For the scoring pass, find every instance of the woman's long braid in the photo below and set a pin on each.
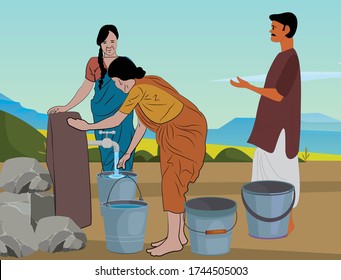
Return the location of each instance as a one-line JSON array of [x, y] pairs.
[[101, 66]]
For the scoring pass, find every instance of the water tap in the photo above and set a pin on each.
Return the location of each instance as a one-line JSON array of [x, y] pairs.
[[106, 142]]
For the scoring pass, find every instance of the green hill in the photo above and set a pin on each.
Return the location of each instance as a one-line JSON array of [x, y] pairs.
[[142, 156], [232, 155], [19, 139]]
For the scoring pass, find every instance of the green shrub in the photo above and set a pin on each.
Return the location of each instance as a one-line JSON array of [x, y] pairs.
[[155, 159], [142, 156], [232, 155], [94, 155], [208, 158], [305, 155]]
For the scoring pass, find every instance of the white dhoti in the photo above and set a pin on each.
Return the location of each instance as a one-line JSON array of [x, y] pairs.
[[277, 166]]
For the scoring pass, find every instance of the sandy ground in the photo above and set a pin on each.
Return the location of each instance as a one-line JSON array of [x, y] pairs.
[[316, 235]]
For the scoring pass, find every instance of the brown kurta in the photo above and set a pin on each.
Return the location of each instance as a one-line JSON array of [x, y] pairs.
[[272, 116], [182, 142]]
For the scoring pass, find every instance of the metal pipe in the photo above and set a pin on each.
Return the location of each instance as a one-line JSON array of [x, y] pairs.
[[106, 142]]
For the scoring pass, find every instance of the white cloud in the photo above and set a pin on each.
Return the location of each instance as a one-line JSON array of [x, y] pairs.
[[305, 76], [256, 78], [311, 76]]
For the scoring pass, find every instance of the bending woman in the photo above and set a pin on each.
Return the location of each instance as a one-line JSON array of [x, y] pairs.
[[180, 132], [107, 99]]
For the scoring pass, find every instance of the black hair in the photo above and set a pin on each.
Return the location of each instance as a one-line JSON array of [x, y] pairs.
[[102, 35], [286, 19], [124, 69]]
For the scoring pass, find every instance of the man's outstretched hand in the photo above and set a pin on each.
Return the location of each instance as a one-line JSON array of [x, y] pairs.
[[240, 84]]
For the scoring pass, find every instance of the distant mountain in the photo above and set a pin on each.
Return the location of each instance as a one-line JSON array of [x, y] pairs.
[[3, 97], [319, 122], [317, 118], [32, 117], [234, 133], [319, 133]]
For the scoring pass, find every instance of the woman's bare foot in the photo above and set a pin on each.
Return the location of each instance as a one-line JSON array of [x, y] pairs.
[[182, 237], [167, 246], [174, 239], [183, 241]]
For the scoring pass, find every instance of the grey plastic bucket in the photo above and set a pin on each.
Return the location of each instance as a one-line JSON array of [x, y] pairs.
[[124, 189], [124, 223], [268, 205], [210, 223]]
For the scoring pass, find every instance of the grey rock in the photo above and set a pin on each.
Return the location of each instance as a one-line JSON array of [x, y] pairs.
[[23, 174], [42, 205], [17, 238], [56, 234], [8, 213], [12, 246], [27, 213], [58, 240], [72, 243], [3, 249], [8, 198], [15, 207], [33, 205]]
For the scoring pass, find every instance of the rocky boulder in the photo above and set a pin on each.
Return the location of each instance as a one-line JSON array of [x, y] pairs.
[[56, 234], [17, 238], [15, 207], [27, 213], [21, 174], [42, 205]]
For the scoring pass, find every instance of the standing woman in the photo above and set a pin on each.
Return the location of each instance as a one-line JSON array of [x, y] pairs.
[[107, 99], [180, 132]]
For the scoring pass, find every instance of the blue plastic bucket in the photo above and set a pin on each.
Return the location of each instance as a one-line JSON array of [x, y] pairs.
[[210, 223], [268, 205], [124, 223], [124, 189]]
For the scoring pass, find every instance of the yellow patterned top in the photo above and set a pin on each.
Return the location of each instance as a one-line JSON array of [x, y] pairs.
[[155, 102]]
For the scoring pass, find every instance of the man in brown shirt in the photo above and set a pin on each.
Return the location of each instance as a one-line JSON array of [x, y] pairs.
[[276, 131]]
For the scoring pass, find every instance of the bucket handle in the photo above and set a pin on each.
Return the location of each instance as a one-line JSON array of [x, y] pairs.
[[265, 219], [125, 177], [215, 231]]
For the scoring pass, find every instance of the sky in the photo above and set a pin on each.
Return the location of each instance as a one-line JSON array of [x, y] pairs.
[[197, 46]]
